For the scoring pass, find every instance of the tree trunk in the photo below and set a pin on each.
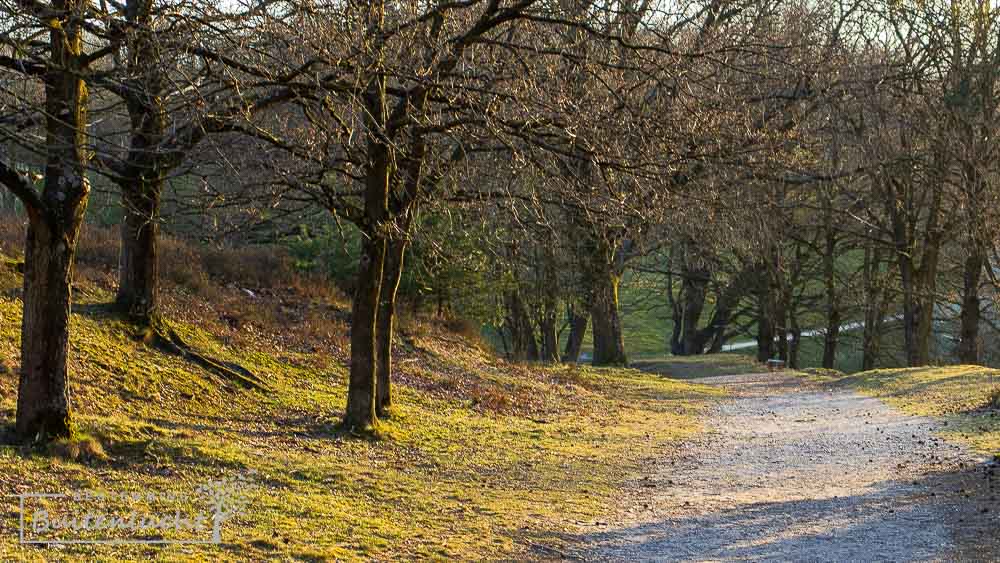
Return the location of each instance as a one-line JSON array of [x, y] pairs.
[[550, 338], [141, 183], [871, 335], [392, 273], [968, 350], [781, 322], [910, 312], [524, 347], [765, 328], [833, 318], [577, 331], [138, 273], [609, 343], [694, 292], [361, 414], [795, 344], [43, 401]]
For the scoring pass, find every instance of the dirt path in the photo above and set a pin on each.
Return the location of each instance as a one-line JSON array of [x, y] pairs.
[[790, 471]]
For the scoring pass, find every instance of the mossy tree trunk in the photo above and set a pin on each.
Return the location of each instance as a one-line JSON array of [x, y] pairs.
[[43, 400], [55, 217], [609, 342]]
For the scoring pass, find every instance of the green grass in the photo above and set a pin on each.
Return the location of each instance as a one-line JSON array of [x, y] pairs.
[[480, 460]]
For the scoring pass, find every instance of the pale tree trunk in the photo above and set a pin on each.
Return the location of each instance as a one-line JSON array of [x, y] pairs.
[[550, 338]]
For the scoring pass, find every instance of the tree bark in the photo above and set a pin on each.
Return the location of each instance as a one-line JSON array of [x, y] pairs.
[[694, 292], [43, 402], [833, 317], [138, 273], [577, 331], [392, 273], [141, 176], [550, 338], [524, 347], [968, 350], [360, 413], [765, 325], [873, 297], [609, 342]]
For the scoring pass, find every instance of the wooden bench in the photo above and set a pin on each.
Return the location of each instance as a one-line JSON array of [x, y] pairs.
[[775, 365]]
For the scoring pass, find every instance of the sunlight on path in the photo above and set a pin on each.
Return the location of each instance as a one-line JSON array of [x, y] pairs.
[[792, 472]]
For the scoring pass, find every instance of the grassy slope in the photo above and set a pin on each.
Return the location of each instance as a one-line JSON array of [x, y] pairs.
[[480, 461], [956, 394]]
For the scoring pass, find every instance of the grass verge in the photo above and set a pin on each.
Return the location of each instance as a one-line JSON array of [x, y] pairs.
[[481, 459]]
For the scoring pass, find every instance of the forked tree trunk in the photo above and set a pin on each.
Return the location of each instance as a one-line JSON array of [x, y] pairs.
[[609, 343], [392, 273], [138, 272], [577, 331], [360, 413]]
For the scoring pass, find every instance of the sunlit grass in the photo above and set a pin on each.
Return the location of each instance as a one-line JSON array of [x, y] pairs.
[[457, 472]]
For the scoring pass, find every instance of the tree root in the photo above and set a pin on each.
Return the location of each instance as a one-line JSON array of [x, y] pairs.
[[166, 339]]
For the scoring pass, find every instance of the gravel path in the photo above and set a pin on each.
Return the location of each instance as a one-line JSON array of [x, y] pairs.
[[790, 471]]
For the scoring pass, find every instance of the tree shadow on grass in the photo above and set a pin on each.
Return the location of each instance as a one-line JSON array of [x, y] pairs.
[[698, 367]]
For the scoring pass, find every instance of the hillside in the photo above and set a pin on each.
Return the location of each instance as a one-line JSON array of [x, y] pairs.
[[481, 459]]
